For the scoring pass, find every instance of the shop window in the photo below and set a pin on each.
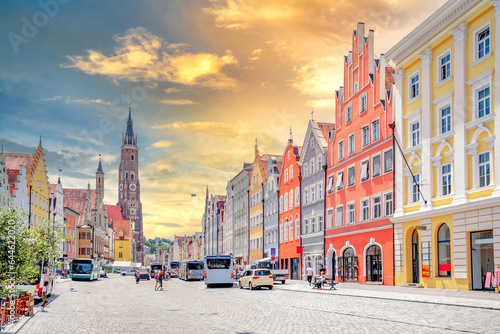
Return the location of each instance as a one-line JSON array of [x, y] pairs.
[[444, 251]]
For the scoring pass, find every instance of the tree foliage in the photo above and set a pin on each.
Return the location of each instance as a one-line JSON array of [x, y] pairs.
[[22, 249]]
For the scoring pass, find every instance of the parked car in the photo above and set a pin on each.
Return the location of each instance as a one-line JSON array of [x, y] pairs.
[[144, 275], [103, 273], [129, 272], [256, 278]]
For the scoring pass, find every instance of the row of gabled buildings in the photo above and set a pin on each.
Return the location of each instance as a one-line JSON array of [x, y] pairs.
[[401, 188], [94, 229]]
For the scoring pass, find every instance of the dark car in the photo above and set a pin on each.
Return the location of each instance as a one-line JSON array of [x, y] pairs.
[[144, 275]]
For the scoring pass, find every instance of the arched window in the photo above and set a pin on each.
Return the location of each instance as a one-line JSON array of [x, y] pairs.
[[286, 231], [285, 206], [291, 200], [444, 251], [132, 176], [126, 175], [132, 157]]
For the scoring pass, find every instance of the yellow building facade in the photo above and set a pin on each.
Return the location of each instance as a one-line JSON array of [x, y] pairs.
[[123, 244], [256, 208], [447, 200]]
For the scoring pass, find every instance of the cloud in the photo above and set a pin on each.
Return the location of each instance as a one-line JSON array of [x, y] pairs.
[[70, 100], [141, 55], [163, 144], [172, 90], [178, 102], [168, 224], [255, 55]]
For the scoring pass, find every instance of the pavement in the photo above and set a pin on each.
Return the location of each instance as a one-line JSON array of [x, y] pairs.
[[475, 299], [118, 305]]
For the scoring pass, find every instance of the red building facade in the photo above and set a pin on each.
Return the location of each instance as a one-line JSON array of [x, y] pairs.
[[289, 211], [359, 199]]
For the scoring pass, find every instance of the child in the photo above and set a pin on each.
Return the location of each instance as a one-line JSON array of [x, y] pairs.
[[44, 295]]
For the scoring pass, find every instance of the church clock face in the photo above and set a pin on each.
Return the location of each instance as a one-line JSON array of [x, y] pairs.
[[132, 187]]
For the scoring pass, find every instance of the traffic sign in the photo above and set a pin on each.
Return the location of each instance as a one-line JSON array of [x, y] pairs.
[[273, 258], [273, 251]]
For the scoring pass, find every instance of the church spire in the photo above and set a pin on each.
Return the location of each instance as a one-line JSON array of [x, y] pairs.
[[99, 167], [129, 138]]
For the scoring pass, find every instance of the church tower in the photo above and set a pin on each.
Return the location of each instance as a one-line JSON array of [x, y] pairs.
[[129, 187]]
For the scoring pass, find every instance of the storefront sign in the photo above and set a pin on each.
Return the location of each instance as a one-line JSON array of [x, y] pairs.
[[425, 271]]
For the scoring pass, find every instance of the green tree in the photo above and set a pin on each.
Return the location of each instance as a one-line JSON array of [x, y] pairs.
[[17, 260]]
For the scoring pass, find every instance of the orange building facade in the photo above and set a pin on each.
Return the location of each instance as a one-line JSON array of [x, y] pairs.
[[359, 201], [290, 254]]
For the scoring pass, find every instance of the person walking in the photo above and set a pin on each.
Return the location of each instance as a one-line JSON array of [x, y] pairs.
[[310, 273], [44, 295], [157, 280], [160, 279], [137, 277]]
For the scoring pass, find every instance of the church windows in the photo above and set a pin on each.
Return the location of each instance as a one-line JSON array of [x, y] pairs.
[[126, 175], [132, 157], [131, 176]]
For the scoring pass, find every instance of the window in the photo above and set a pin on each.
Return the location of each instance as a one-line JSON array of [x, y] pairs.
[[351, 176], [313, 194], [376, 166], [290, 230], [313, 224], [341, 150], [306, 226], [297, 199], [415, 133], [312, 166], [362, 103], [365, 170], [320, 223], [445, 114], [286, 231], [132, 157], [352, 142], [297, 230], [286, 175], [414, 82], [339, 217], [366, 135], [281, 204], [444, 67], [290, 207], [311, 142], [320, 162], [483, 102], [375, 130], [329, 218], [291, 170], [444, 251], [305, 169], [377, 209], [483, 43], [415, 188], [120, 254], [388, 161], [446, 179], [120, 245], [285, 206], [348, 116], [351, 213], [329, 187], [320, 191], [365, 210], [484, 169], [388, 204], [340, 181], [281, 233], [306, 196]]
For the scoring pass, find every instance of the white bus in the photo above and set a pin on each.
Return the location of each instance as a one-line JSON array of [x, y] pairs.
[[191, 270], [218, 270]]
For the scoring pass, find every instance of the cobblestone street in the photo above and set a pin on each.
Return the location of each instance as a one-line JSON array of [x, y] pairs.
[[119, 305]]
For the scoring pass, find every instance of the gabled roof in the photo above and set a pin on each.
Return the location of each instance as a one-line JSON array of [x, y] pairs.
[[121, 226], [14, 160], [75, 199], [114, 212], [12, 175], [319, 131]]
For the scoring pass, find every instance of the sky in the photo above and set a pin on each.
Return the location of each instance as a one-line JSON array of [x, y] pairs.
[[204, 79]]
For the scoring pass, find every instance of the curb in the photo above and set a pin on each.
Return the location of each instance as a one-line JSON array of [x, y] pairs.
[[393, 299]]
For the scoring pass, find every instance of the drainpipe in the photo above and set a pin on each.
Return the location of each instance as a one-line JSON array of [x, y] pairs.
[[29, 215], [263, 235], [393, 127]]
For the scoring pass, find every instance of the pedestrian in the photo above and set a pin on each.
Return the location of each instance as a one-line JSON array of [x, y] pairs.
[[137, 277], [309, 274], [44, 295], [157, 280], [322, 270], [160, 278]]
